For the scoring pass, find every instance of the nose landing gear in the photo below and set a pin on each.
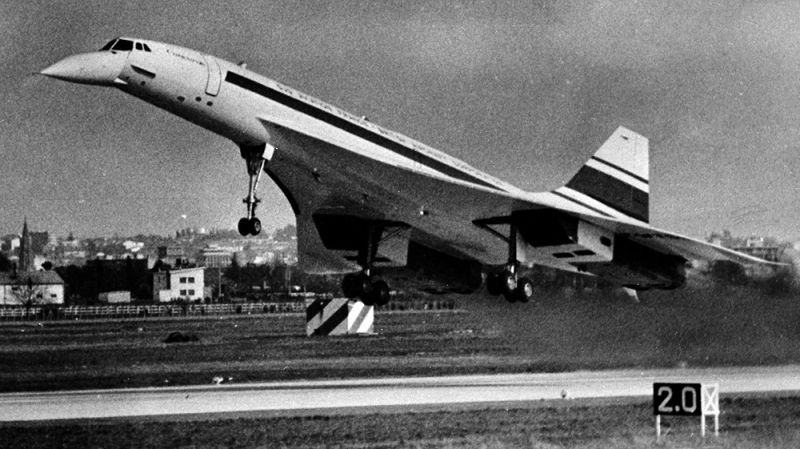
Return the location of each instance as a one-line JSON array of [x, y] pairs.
[[255, 157]]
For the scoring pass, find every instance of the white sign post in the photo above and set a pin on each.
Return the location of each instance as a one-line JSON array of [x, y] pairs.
[[710, 407], [681, 399]]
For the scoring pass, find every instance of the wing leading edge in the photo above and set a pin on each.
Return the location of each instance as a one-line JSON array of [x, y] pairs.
[[596, 223]]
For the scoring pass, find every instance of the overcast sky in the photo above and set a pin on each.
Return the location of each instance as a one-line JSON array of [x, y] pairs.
[[525, 91]]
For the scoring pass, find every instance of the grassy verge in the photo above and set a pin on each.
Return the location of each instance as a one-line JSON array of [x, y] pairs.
[[683, 328], [745, 423]]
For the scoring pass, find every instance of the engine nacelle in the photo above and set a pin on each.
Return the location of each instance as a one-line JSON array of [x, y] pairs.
[[396, 256], [566, 242], [639, 267], [436, 272], [559, 240]]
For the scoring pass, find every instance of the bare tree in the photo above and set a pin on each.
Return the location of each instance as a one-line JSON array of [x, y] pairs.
[[27, 294]]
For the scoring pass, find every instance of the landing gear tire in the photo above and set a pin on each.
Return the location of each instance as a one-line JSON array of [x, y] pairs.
[[508, 282], [524, 291], [359, 285], [354, 285], [255, 226], [377, 294], [244, 227], [249, 226], [512, 288]]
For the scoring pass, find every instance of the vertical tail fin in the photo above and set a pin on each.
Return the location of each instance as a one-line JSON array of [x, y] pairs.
[[615, 180]]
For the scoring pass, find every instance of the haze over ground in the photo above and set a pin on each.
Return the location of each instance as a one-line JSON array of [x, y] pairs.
[[523, 90]]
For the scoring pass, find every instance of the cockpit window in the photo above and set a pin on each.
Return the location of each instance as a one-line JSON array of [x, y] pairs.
[[123, 45], [108, 45], [138, 45], [146, 48]]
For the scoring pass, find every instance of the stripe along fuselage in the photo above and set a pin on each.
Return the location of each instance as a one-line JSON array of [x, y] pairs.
[[234, 102]]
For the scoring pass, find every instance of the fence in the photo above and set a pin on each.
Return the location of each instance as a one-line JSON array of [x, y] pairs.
[[53, 312], [143, 311]]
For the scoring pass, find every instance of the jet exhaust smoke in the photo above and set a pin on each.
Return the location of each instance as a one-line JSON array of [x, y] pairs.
[[706, 323]]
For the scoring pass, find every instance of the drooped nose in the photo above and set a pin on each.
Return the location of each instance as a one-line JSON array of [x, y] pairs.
[[98, 68]]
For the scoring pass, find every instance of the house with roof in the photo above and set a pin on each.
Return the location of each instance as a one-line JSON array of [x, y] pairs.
[[24, 286], [31, 288]]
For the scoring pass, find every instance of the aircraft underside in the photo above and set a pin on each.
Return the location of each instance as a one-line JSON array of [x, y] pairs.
[[374, 229]]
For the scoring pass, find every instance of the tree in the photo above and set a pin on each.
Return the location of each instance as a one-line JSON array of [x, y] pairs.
[[27, 294], [286, 233], [5, 264]]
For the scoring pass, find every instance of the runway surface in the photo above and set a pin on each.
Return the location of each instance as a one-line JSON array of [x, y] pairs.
[[292, 397]]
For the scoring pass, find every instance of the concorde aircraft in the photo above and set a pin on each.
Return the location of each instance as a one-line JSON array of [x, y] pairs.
[[376, 205]]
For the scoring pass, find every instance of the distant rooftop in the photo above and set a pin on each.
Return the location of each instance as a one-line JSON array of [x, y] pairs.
[[35, 278]]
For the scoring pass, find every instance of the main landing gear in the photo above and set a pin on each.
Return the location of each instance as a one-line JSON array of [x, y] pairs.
[[513, 288], [363, 285], [255, 158], [507, 282]]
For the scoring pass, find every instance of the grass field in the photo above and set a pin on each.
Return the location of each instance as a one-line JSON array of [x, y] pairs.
[[738, 327], [746, 423], [722, 326]]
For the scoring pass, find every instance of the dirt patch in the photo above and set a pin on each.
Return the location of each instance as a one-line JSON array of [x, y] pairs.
[[180, 337]]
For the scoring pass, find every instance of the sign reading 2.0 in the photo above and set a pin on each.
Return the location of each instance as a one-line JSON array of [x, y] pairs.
[[677, 399]]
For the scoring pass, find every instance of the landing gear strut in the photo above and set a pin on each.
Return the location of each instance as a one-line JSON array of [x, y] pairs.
[[507, 282], [255, 157], [363, 285]]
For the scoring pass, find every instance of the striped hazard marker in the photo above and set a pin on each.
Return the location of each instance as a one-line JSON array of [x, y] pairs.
[[339, 316]]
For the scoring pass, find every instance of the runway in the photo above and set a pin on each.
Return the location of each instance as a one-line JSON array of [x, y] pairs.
[[294, 397]]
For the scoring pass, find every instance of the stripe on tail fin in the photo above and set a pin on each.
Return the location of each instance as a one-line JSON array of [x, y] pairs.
[[615, 181]]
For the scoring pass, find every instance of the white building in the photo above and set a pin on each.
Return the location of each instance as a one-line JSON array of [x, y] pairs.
[[180, 284], [38, 287]]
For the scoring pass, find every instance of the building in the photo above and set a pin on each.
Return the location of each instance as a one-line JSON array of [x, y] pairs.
[[10, 243], [119, 297], [770, 253], [172, 255], [31, 288], [180, 284], [216, 257]]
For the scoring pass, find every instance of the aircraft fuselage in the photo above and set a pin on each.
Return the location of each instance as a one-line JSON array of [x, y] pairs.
[[364, 195]]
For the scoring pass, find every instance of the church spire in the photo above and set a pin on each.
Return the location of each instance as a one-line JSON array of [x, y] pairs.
[[25, 249]]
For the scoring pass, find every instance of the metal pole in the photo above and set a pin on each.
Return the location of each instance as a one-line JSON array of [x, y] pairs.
[[703, 426], [658, 428]]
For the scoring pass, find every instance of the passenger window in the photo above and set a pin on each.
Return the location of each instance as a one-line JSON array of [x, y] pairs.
[[123, 45], [138, 45]]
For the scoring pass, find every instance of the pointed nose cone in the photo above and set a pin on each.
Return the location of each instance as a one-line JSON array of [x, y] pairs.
[[98, 68]]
